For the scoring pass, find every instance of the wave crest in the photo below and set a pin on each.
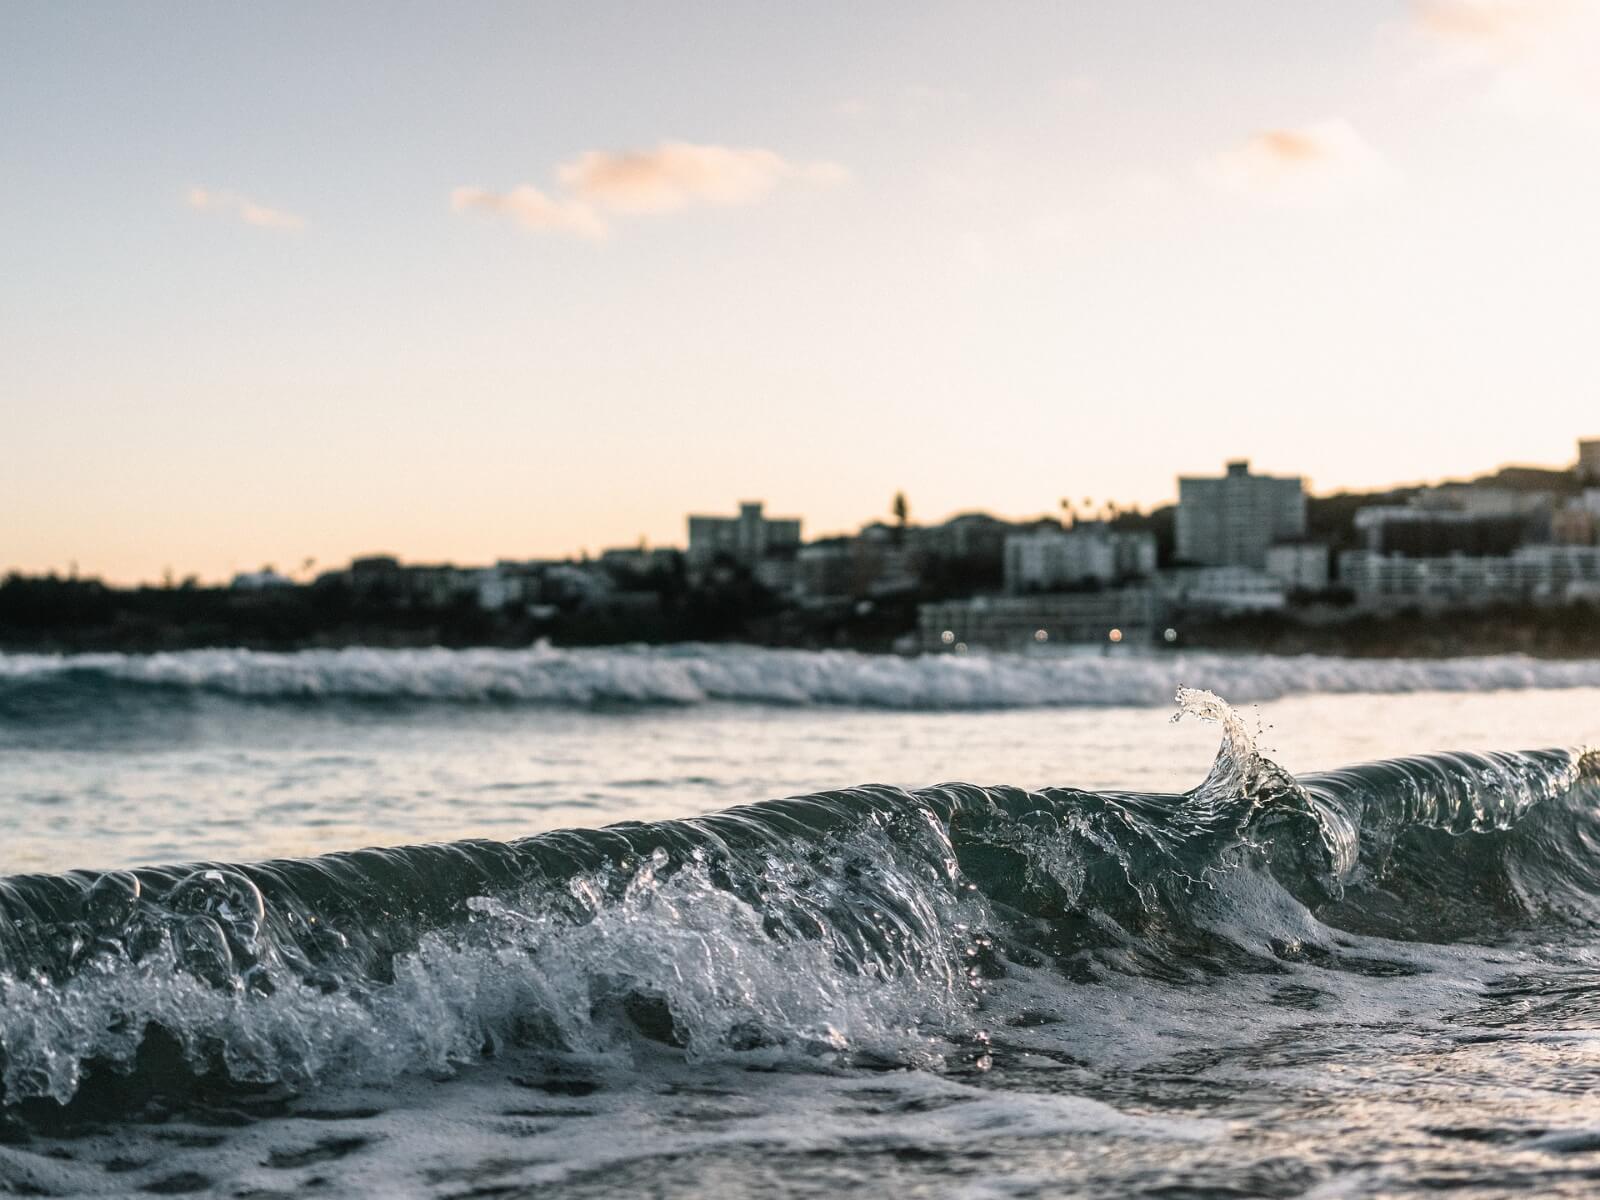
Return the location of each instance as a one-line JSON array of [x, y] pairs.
[[868, 921], [698, 674]]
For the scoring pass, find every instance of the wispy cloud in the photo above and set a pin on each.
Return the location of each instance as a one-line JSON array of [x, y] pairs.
[[1535, 56], [532, 209], [673, 175], [1492, 27], [242, 207], [676, 174], [1313, 164]]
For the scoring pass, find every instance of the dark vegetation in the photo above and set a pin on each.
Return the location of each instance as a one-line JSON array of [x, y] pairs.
[[52, 614], [62, 615]]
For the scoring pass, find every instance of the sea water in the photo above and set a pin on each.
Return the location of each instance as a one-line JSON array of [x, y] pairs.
[[524, 922]]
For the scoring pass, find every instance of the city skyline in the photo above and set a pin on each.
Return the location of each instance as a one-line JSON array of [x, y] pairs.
[[316, 283], [1070, 511]]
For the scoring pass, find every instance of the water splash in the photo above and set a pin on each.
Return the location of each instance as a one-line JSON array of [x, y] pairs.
[[1238, 768]]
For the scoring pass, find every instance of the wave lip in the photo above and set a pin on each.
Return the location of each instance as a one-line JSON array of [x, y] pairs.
[[869, 921], [699, 674]]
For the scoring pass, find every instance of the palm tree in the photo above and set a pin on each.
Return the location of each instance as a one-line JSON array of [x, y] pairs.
[[902, 514]]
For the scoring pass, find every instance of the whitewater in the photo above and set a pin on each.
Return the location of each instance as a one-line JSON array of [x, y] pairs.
[[474, 923], [698, 674]]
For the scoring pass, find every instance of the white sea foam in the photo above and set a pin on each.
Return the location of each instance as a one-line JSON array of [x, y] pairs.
[[697, 674]]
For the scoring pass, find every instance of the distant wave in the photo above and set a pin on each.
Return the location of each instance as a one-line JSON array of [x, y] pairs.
[[699, 674]]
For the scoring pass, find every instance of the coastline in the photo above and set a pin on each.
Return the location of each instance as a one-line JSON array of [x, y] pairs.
[[158, 620]]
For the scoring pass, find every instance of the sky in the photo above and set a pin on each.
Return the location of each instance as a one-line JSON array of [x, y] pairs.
[[299, 282]]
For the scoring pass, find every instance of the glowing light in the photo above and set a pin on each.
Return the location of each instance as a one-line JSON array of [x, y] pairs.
[[1115, 635], [1041, 635], [1170, 635], [948, 636]]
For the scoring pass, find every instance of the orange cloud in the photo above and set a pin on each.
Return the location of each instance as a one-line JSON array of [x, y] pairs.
[[532, 209], [1315, 163], [1491, 24], [672, 176], [1289, 145], [1534, 56], [246, 209], [676, 174]]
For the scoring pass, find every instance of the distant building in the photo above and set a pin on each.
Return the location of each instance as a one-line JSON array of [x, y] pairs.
[[778, 575], [1232, 520], [1589, 460], [1530, 574], [436, 585], [574, 585], [263, 580], [824, 570], [746, 538], [881, 564], [975, 539], [1424, 531], [502, 586], [968, 536], [1480, 500], [375, 573], [1049, 559], [1575, 523], [1299, 566], [1113, 615], [1221, 591], [633, 563]]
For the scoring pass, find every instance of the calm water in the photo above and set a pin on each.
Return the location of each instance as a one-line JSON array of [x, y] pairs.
[[1175, 977]]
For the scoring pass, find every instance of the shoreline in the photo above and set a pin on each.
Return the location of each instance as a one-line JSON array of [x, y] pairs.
[[1552, 634]]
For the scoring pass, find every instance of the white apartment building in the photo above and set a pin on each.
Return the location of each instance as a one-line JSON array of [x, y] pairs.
[[1299, 566], [1222, 591], [746, 538], [1048, 559], [1589, 460], [1530, 574], [1232, 520]]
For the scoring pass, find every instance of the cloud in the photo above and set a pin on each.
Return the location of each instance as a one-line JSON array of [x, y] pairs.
[[246, 209], [1492, 27], [677, 174], [1314, 164], [1532, 56], [532, 209], [672, 176]]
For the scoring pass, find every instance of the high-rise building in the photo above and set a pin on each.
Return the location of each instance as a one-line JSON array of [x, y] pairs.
[[1589, 460], [746, 538], [1232, 520]]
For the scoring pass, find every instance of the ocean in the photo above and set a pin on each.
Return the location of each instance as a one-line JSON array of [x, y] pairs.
[[715, 921]]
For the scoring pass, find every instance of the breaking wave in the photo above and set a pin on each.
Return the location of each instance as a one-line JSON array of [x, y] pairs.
[[866, 924], [698, 674]]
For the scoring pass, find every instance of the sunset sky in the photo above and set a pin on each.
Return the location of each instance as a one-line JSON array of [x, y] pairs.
[[505, 280]]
